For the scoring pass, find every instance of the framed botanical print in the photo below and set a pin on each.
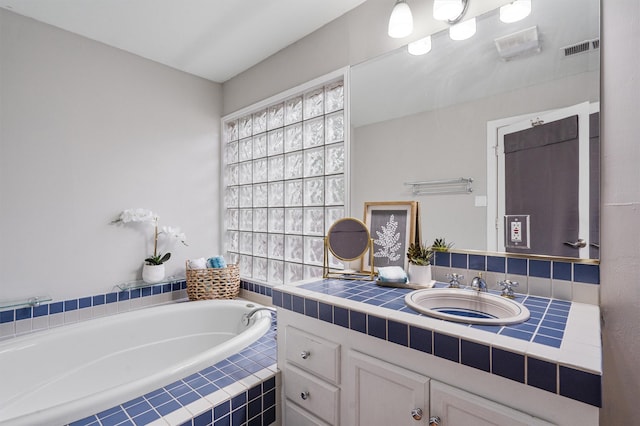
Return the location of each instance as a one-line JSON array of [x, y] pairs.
[[393, 225]]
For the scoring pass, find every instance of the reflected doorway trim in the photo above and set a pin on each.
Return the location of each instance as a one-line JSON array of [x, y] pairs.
[[494, 224]]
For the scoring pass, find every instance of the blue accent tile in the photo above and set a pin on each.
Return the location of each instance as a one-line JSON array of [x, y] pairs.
[[287, 302], [167, 408], [298, 304], [106, 413], [541, 374], [269, 398], [135, 293], [91, 420], [254, 392], [358, 321], [447, 347], [562, 271], [269, 291], [146, 291], [269, 416], [548, 341], [137, 409], [166, 288], [341, 316], [7, 316], [222, 409], [580, 385], [495, 264], [98, 300], [589, 274], [176, 286], [516, 266], [377, 327], [157, 289], [23, 313], [276, 298], [56, 308], [188, 398], [40, 311], [518, 334], [239, 416], [459, 260], [269, 384], [114, 419], [420, 339], [123, 295], [254, 407], [238, 400], [84, 302], [508, 364], [311, 308], [398, 333], [146, 418], [477, 262], [70, 305], [475, 355], [325, 312], [442, 258], [203, 419], [159, 398], [540, 268]]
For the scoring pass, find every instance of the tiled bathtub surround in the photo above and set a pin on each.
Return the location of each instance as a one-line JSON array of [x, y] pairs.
[[25, 320], [377, 312], [240, 390], [561, 279]]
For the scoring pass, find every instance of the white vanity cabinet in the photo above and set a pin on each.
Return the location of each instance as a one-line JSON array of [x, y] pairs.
[[335, 376]]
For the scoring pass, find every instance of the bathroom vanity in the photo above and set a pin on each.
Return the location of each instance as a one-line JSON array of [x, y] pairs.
[[351, 353]]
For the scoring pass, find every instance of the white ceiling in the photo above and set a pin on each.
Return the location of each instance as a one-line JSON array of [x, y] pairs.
[[213, 39]]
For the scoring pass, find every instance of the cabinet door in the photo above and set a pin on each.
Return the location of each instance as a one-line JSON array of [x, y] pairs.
[[380, 393], [456, 407]]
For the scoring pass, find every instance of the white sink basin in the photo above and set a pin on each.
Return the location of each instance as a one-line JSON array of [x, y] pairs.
[[468, 306]]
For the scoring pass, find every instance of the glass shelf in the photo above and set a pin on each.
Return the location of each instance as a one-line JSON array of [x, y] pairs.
[[133, 285], [24, 303]]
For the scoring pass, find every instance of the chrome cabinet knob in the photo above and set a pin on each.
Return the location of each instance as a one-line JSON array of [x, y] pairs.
[[304, 395], [305, 354], [416, 413], [434, 421]]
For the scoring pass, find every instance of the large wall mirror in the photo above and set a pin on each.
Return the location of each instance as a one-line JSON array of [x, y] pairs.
[[439, 116]]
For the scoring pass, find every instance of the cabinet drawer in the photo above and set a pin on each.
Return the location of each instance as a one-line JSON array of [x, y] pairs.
[[296, 416], [313, 354], [314, 395]]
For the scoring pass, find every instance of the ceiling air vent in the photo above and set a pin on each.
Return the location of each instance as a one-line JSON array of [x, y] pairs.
[[581, 47]]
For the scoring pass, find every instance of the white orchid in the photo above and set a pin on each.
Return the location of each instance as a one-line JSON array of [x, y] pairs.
[[147, 216]]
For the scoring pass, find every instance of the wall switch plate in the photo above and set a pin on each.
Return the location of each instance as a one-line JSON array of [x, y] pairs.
[[516, 230]]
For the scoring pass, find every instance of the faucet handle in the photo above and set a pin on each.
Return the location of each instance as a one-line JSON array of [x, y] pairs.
[[507, 288], [454, 280]]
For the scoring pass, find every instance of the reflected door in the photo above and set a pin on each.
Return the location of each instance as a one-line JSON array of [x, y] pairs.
[[544, 173]]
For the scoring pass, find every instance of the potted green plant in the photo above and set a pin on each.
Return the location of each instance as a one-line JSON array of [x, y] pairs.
[[419, 256], [439, 244]]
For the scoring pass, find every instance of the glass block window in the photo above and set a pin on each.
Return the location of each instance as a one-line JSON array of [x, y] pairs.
[[284, 179]]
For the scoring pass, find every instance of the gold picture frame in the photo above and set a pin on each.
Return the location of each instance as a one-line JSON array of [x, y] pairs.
[[393, 225]]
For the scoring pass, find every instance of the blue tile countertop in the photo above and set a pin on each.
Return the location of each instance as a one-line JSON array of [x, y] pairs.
[[558, 349]]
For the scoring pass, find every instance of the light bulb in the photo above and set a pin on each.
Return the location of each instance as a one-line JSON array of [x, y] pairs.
[[515, 11], [445, 10], [463, 30], [420, 47], [401, 20]]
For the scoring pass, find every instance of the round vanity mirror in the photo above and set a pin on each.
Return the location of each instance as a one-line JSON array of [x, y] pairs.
[[348, 239]]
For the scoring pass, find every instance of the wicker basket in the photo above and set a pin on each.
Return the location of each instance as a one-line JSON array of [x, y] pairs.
[[213, 283]]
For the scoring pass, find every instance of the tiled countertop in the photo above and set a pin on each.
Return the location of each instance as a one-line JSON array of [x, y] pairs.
[[561, 340]]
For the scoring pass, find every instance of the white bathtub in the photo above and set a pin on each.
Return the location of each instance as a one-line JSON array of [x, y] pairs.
[[66, 373]]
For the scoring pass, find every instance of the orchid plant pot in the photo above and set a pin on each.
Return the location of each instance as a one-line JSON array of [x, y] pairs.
[[152, 274]]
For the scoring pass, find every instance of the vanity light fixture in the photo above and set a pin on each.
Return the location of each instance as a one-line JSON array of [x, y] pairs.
[[451, 11], [515, 11], [463, 30], [401, 20], [420, 47]]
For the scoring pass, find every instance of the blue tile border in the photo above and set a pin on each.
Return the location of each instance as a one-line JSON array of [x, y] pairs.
[[548, 376]]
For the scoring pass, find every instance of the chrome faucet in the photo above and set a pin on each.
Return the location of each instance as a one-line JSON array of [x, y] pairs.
[[454, 280], [478, 283], [247, 317]]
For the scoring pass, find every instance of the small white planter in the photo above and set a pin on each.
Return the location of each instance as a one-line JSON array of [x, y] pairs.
[[419, 274], [152, 274]]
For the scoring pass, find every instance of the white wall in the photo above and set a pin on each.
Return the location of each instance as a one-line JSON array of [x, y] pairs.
[[620, 269], [361, 34], [86, 131]]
